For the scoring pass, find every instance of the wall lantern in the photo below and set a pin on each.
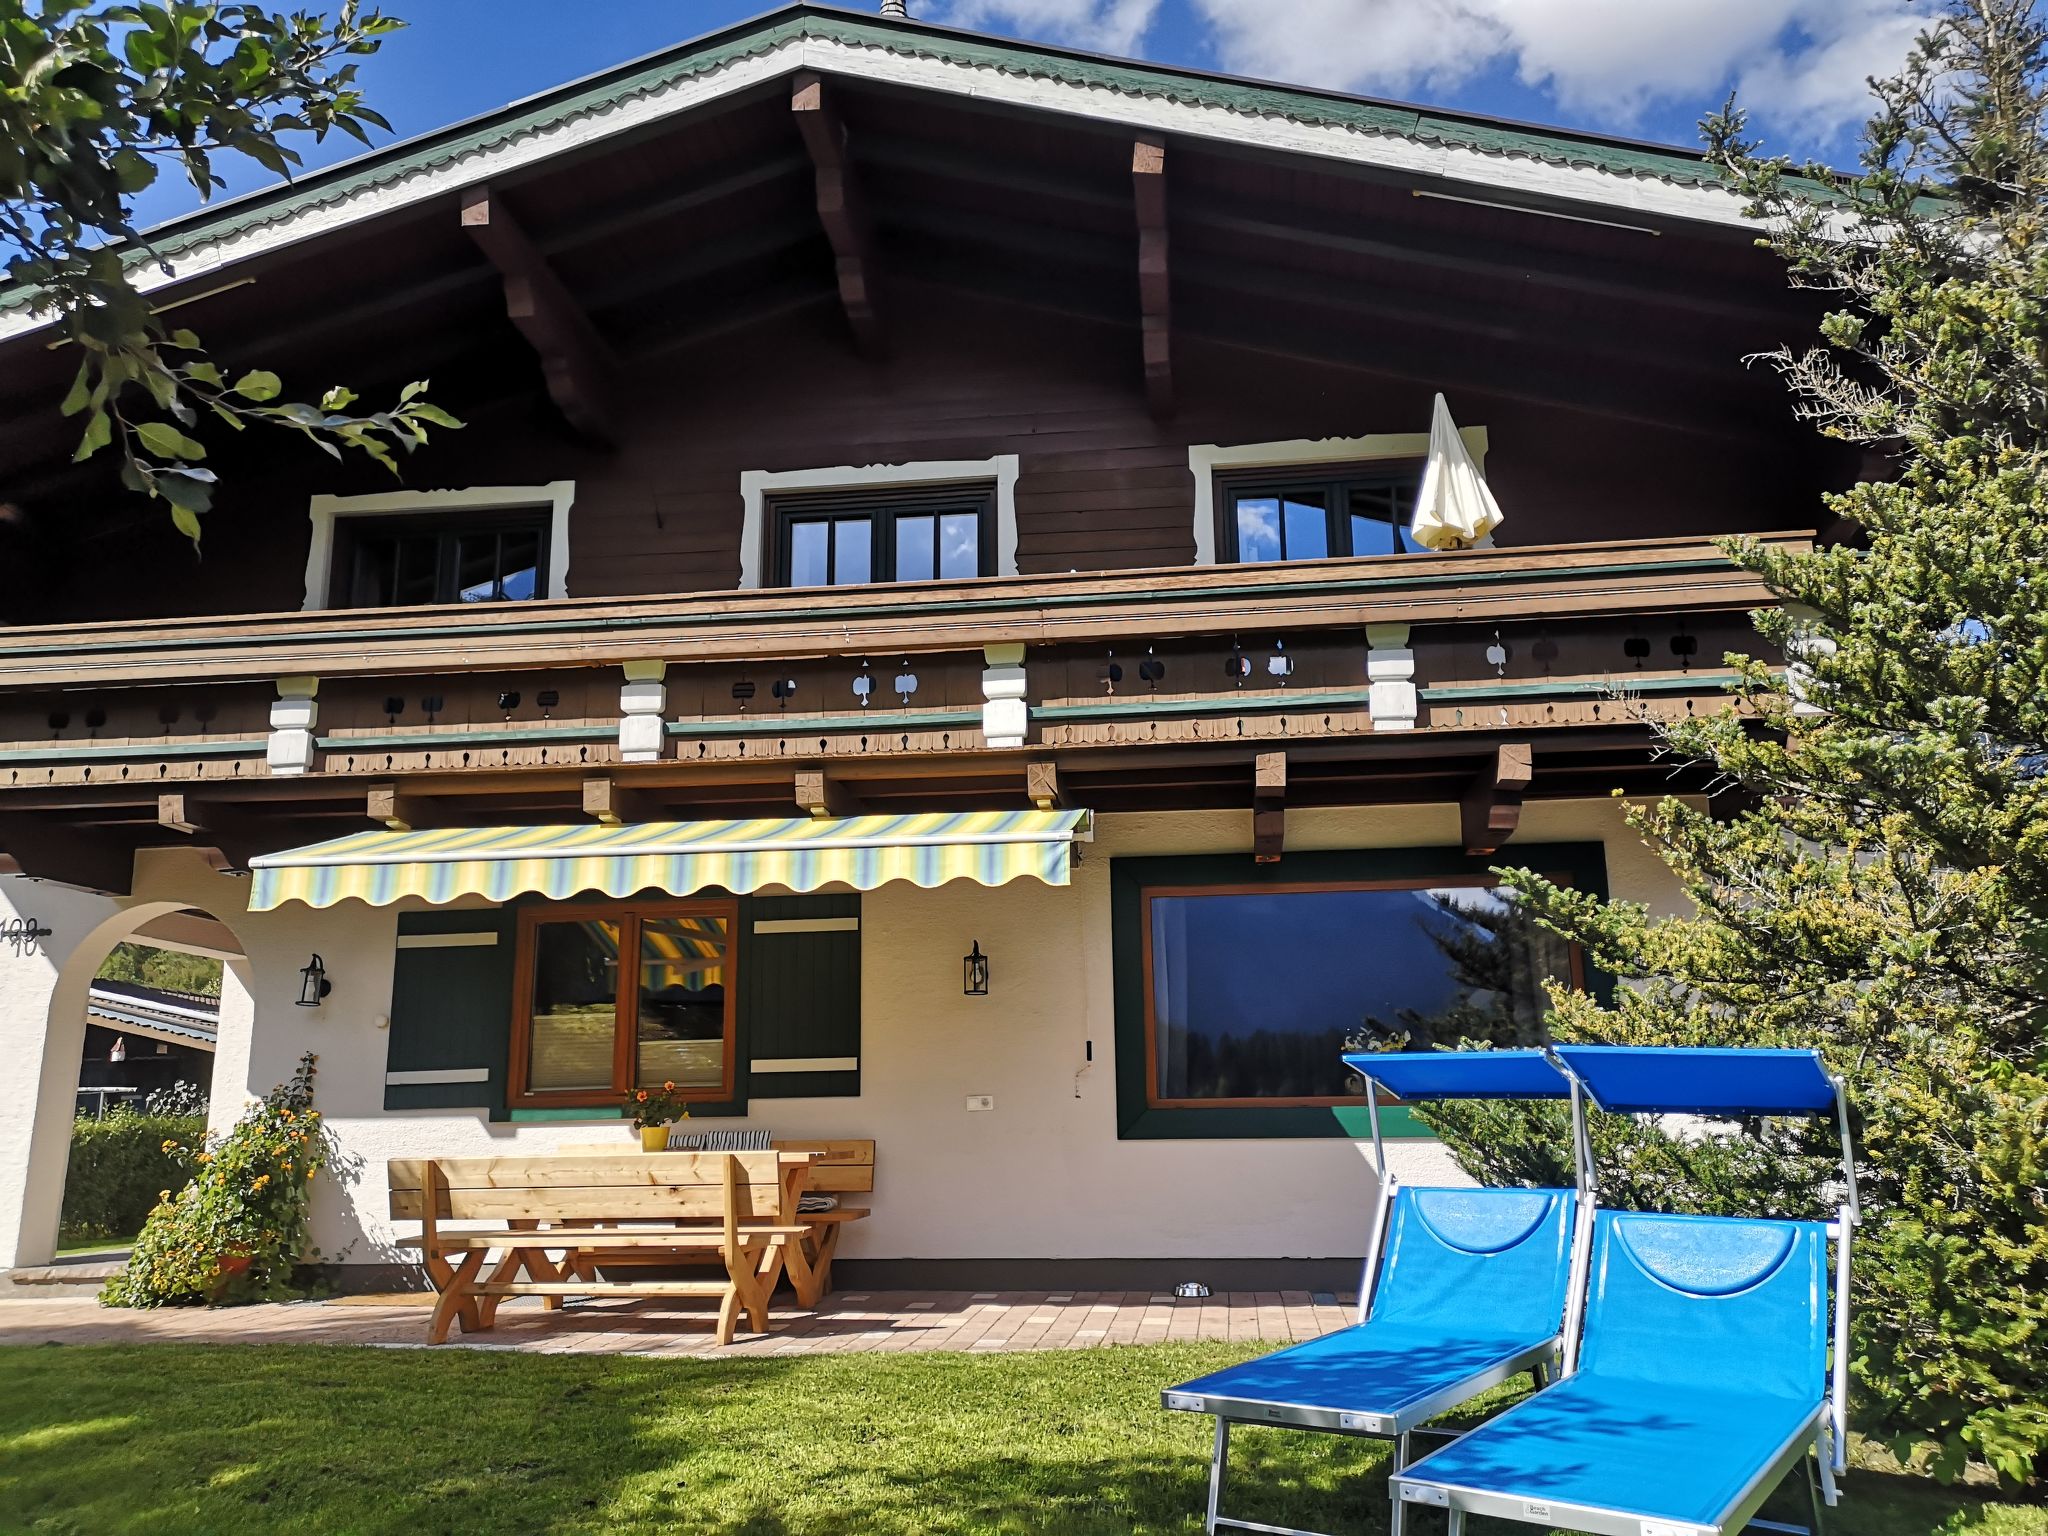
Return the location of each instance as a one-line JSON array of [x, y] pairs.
[[974, 972], [313, 983]]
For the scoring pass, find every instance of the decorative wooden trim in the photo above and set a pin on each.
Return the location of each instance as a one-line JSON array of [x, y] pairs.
[[438, 1075], [1491, 808], [806, 925], [519, 1095], [478, 940], [805, 1064]]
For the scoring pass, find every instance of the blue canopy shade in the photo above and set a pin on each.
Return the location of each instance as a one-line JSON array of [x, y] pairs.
[[1462, 1074], [1701, 1080]]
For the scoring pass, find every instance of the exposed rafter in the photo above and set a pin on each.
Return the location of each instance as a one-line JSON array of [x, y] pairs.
[[1155, 306], [1269, 807], [841, 208], [1491, 808], [224, 834], [819, 794], [389, 806], [1042, 785], [577, 363], [66, 854], [605, 799]]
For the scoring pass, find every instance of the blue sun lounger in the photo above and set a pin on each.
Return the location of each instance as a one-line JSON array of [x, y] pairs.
[[1462, 1289], [1703, 1377]]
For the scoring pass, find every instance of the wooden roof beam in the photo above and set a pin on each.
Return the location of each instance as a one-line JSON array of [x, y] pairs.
[[398, 809], [841, 207], [605, 799], [1042, 785], [819, 794], [1269, 807], [1491, 808], [65, 854], [579, 368], [1155, 306]]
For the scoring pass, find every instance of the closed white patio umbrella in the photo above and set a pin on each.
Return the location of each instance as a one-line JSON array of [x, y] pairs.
[[1454, 510]]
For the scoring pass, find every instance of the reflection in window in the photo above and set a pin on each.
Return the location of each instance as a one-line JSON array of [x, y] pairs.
[[398, 562], [922, 534], [680, 1030], [623, 995], [575, 1005], [1319, 514], [1255, 995]]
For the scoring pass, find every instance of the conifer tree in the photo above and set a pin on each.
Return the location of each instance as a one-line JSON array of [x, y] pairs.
[[1883, 894]]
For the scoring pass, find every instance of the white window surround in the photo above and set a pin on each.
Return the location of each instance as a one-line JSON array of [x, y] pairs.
[[556, 495], [757, 485], [1205, 459]]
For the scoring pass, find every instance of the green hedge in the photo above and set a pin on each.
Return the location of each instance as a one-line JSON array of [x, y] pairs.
[[119, 1169]]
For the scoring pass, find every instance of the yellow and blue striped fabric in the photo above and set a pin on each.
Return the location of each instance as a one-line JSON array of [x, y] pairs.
[[679, 857]]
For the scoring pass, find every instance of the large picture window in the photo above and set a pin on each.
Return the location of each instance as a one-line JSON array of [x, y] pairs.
[[918, 533], [1237, 997], [1318, 512], [612, 997]]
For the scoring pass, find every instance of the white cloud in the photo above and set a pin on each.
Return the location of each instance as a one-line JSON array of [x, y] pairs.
[[1800, 63], [1108, 26]]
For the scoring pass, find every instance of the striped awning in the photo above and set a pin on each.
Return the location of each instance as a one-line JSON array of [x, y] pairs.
[[680, 857]]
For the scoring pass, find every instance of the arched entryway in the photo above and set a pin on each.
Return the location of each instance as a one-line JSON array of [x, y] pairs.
[[30, 1227]]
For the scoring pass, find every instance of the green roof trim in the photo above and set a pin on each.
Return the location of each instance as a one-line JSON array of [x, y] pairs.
[[605, 92]]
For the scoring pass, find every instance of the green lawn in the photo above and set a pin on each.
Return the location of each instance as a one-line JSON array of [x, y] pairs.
[[200, 1439]]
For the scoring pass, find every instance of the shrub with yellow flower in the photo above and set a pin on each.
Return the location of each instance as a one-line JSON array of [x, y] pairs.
[[234, 1233]]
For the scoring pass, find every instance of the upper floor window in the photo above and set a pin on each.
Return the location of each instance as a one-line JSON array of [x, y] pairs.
[[912, 533], [482, 544], [396, 562], [1316, 512]]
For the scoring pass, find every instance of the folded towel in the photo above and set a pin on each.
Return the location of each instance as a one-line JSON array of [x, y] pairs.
[[721, 1141], [816, 1204]]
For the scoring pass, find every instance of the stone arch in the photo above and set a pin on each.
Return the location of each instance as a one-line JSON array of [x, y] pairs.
[[30, 1210]]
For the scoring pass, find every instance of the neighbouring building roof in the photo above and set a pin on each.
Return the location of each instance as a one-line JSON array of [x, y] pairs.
[[1530, 161], [154, 1013]]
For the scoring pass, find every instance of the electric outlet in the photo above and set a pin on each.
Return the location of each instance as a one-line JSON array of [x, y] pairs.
[[981, 1101]]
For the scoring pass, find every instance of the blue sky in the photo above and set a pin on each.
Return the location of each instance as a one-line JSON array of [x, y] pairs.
[[1646, 68]]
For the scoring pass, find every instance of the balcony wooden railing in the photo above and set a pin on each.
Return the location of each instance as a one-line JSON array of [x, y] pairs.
[[1638, 576]]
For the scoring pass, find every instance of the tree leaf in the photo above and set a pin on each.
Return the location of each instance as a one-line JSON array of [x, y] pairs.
[[259, 384], [167, 442], [81, 391], [98, 433]]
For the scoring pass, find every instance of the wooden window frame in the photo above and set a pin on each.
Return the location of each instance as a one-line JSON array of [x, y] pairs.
[[1469, 881], [883, 506], [447, 528], [1332, 480], [625, 1023]]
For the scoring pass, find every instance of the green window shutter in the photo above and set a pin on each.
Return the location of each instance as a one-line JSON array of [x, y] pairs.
[[800, 1010], [451, 1011]]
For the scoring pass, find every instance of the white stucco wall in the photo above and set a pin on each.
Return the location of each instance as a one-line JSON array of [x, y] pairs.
[[1041, 1175]]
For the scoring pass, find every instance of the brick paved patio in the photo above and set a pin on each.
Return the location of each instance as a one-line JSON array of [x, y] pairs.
[[986, 1321]]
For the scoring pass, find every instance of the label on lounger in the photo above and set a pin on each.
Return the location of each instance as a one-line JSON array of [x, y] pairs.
[[1182, 1401], [1534, 1511], [1371, 1423], [1661, 1528]]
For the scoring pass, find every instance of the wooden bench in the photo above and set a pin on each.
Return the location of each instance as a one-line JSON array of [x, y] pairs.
[[843, 1168], [734, 1208], [840, 1167]]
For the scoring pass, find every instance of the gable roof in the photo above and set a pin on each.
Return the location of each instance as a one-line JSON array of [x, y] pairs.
[[1458, 149]]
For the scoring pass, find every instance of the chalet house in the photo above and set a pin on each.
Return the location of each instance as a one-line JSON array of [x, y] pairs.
[[920, 635]]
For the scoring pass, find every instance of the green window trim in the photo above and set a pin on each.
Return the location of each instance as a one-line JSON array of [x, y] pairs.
[[1583, 864]]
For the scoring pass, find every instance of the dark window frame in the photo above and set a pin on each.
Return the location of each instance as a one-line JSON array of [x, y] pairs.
[[1139, 1118], [1333, 481], [519, 1094], [883, 507], [351, 534]]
